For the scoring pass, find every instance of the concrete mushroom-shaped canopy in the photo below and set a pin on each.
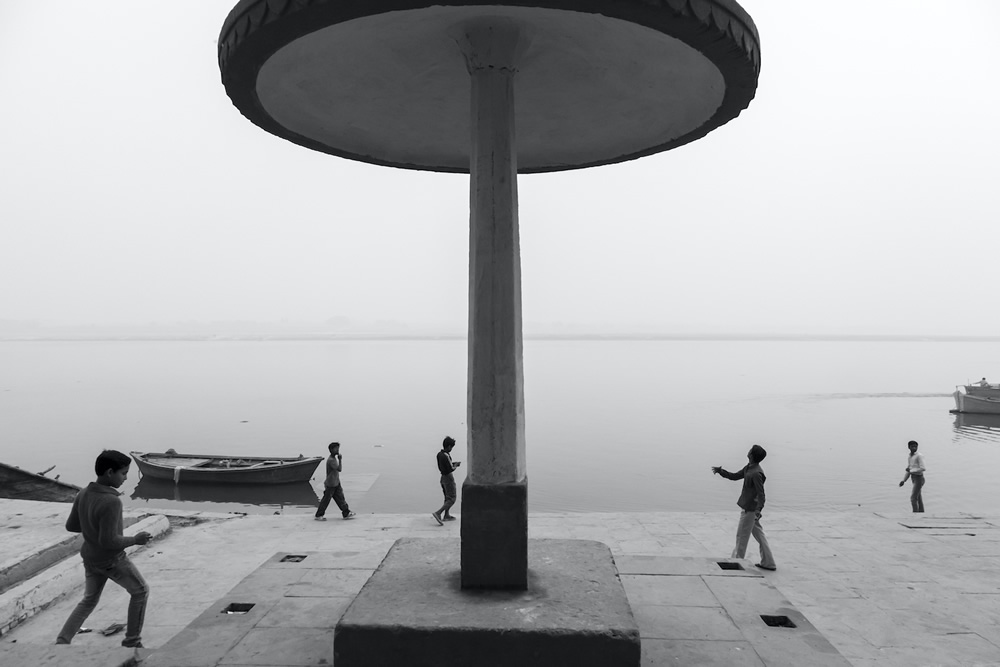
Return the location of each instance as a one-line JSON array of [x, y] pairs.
[[385, 81]]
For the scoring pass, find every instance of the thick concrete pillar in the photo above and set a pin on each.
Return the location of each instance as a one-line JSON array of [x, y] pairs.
[[495, 492]]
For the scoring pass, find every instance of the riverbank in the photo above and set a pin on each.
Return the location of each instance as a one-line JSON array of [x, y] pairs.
[[899, 589]]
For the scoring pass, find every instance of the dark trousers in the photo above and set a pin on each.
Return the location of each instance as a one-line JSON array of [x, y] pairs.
[[337, 493], [916, 499], [122, 572]]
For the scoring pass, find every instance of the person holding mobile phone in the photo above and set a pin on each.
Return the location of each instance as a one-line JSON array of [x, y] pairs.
[[331, 485], [447, 469]]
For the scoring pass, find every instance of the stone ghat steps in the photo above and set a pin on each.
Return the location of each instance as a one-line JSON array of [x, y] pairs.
[[689, 610], [37, 557], [21, 569]]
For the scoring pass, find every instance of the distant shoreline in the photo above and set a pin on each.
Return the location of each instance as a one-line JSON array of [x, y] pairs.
[[300, 337]]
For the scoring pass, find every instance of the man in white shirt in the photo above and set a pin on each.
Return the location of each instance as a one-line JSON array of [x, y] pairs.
[[915, 471]]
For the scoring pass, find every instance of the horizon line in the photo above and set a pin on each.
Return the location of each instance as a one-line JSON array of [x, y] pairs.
[[618, 336]]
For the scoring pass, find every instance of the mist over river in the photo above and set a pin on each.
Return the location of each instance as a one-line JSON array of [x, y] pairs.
[[611, 425]]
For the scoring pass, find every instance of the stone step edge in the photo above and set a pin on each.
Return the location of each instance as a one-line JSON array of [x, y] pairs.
[[23, 566], [26, 565]]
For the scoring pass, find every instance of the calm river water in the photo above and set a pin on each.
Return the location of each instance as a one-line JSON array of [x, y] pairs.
[[612, 425]]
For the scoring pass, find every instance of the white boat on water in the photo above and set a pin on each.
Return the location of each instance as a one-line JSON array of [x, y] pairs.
[[977, 401]]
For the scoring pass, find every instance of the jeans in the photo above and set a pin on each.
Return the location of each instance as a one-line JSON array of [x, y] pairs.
[[450, 492], [750, 525], [916, 499], [124, 573], [337, 493]]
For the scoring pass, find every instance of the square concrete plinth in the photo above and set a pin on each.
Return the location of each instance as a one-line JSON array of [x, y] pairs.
[[414, 612]]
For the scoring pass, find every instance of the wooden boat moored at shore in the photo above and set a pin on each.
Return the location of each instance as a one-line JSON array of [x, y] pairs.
[[295, 494], [24, 485], [218, 469]]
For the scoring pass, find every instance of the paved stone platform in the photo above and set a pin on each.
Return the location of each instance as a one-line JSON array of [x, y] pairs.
[[706, 611], [574, 612], [62, 656], [690, 611], [899, 589]]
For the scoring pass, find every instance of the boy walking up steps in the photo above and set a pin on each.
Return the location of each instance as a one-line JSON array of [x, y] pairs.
[[97, 513]]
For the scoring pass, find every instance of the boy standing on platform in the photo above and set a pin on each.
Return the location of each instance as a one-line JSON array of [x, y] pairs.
[[97, 513], [915, 469], [752, 503], [447, 468], [331, 485]]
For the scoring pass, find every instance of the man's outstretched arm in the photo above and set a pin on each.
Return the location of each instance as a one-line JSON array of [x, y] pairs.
[[719, 470]]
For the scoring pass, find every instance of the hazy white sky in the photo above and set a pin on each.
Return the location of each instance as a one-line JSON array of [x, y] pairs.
[[856, 194]]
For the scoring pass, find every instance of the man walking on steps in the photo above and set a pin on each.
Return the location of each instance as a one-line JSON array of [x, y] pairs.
[[447, 469], [752, 503], [331, 486]]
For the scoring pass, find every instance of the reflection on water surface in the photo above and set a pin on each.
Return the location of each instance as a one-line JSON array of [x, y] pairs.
[[977, 425], [298, 494]]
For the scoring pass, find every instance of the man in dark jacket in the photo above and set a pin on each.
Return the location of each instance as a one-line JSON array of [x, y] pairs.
[[97, 513], [752, 503]]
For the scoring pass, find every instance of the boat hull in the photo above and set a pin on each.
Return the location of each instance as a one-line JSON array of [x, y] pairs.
[[23, 485], [981, 405], [296, 494], [213, 469]]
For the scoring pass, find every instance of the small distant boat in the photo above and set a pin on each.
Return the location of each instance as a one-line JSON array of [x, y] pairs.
[[24, 485], [215, 469], [976, 403]]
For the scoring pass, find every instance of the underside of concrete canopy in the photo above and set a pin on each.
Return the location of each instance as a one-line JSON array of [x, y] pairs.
[[385, 82]]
